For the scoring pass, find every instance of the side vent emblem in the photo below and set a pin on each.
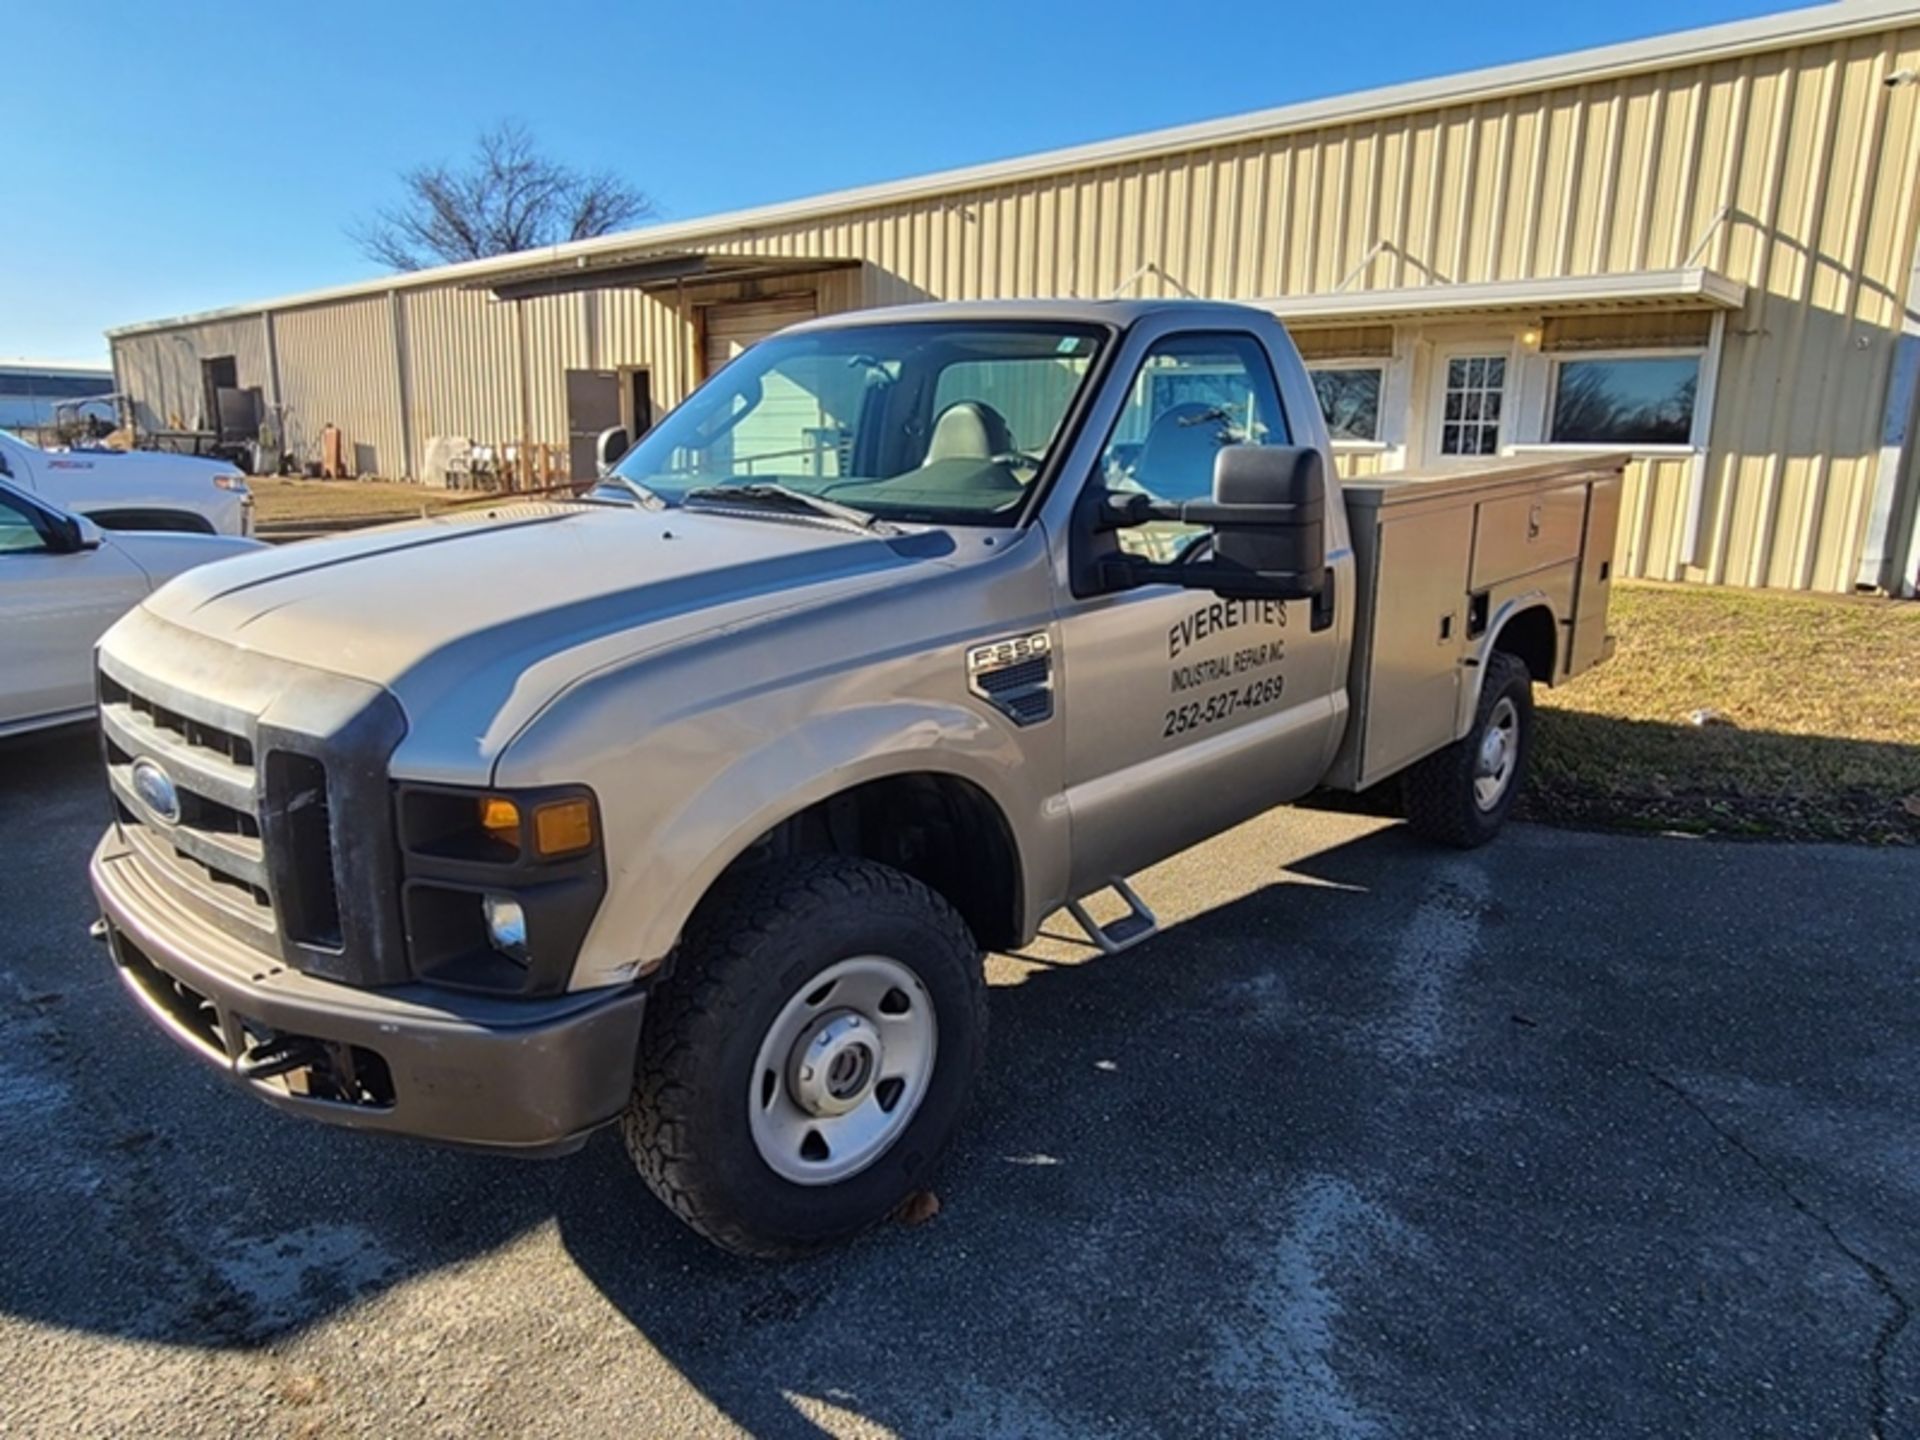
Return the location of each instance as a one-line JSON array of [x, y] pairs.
[[1015, 676]]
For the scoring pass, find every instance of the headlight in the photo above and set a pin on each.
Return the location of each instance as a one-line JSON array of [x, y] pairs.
[[236, 483], [506, 925]]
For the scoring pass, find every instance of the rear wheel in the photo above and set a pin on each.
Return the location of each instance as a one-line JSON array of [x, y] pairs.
[[808, 1060], [1461, 795]]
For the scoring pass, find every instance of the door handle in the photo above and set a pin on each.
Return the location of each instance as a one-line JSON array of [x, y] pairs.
[[1323, 604]]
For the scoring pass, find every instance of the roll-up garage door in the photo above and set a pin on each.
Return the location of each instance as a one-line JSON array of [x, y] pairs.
[[731, 328], [789, 434]]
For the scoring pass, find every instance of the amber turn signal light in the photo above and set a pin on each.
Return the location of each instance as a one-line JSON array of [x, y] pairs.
[[500, 818], [563, 827]]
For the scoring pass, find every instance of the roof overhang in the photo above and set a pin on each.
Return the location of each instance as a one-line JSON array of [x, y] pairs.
[[662, 270], [1691, 289]]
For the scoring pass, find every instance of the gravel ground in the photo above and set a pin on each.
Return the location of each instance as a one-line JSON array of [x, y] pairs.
[[1577, 1135]]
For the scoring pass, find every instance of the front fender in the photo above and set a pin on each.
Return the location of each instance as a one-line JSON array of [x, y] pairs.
[[665, 859]]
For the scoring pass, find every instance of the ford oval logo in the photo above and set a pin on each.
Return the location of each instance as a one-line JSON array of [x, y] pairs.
[[156, 791]]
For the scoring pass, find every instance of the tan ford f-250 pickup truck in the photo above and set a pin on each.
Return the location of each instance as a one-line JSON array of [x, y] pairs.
[[697, 811]]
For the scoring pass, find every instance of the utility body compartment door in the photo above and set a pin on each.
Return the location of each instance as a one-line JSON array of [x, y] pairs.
[[1412, 688]]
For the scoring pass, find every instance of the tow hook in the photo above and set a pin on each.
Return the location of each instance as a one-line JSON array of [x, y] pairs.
[[98, 930], [279, 1055]]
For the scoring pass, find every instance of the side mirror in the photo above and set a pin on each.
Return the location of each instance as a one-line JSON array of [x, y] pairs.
[[608, 449], [80, 534], [1268, 518]]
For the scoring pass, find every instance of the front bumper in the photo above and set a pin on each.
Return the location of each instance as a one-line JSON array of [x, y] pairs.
[[531, 1077]]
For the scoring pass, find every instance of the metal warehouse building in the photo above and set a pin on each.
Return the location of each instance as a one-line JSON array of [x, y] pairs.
[[1700, 248]]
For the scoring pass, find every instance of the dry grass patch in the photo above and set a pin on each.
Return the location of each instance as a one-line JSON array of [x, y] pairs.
[[1821, 699], [298, 502]]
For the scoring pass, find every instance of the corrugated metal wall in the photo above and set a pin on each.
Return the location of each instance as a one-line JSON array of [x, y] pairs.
[[161, 370], [1792, 170], [338, 366], [1797, 167]]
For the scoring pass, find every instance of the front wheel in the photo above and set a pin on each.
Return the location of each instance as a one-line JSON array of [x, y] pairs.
[[1461, 795], [807, 1062]]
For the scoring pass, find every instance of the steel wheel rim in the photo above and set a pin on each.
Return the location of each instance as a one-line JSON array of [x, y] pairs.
[[1498, 754], [842, 1070]]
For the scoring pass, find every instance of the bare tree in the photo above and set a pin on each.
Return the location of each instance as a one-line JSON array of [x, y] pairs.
[[507, 196]]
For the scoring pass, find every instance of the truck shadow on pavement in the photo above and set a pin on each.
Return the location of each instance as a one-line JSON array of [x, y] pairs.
[[1386, 1139]]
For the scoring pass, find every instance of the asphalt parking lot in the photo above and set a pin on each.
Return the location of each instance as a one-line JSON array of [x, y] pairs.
[[1575, 1135]]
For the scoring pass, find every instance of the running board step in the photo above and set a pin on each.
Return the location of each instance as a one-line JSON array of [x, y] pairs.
[[1123, 934]]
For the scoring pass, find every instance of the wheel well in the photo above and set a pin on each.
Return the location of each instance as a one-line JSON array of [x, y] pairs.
[[1531, 637], [944, 831], [177, 522]]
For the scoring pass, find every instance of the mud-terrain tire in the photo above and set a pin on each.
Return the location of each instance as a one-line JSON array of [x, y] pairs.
[[1461, 795], [778, 970]]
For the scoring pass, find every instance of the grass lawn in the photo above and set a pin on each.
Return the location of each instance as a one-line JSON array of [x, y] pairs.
[[1822, 696], [298, 502]]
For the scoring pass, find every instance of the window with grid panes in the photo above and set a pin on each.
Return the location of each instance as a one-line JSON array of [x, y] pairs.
[[1470, 423]]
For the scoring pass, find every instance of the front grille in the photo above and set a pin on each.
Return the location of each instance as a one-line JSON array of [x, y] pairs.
[[210, 852]]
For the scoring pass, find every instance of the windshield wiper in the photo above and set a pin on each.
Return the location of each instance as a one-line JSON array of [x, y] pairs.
[[787, 499], [645, 496]]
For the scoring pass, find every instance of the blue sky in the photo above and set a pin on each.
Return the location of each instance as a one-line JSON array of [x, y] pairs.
[[167, 158]]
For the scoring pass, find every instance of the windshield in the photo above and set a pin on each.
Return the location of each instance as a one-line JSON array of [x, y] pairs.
[[941, 422]]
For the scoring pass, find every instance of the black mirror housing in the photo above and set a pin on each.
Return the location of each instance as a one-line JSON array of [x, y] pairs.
[[1269, 517]]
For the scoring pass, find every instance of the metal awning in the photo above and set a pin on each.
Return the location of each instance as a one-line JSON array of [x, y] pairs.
[[1690, 289], [661, 270]]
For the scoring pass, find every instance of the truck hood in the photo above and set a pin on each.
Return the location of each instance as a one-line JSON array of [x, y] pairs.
[[484, 614]]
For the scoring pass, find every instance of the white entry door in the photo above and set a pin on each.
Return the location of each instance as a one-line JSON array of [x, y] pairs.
[[1469, 409]]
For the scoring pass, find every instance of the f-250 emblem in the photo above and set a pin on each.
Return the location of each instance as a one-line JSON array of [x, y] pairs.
[[1015, 676]]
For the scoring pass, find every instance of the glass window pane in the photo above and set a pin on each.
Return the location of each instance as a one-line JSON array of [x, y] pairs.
[[1194, 395], [1639, 401], [1471, 405], [1350, 401], [946, 419], [17, 531]]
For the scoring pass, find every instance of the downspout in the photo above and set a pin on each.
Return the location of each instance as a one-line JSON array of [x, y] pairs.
[[526, 393], [1883, 566], [401, 386]]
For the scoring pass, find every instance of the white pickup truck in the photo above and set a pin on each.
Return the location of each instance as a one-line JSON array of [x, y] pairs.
[[695, 812], [63, 581], [133, 489]]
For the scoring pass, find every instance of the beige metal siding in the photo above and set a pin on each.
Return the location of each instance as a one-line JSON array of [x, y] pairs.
[[1796, 168], [337, 366], [1653, 517], [463, 368], [162, 370]]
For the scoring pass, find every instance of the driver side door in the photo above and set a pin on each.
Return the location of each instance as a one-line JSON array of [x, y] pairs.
[[54, 604], [1186, 712]]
